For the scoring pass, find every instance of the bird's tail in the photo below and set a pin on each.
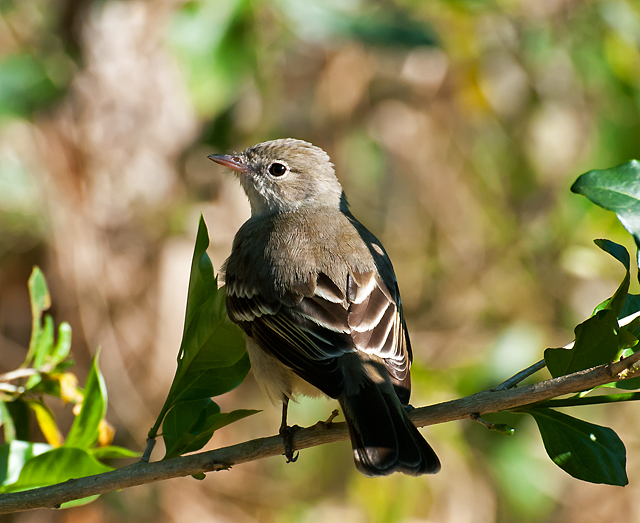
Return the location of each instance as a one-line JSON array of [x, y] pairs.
[[383, 438]]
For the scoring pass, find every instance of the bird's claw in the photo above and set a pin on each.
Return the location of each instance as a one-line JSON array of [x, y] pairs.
[[327, 423], [287, 433]]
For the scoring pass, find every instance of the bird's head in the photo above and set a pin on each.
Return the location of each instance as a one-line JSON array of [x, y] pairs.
[[284, 175]]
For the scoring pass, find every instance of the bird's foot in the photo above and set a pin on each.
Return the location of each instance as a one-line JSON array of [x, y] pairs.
[[287, 433], [327, 423]]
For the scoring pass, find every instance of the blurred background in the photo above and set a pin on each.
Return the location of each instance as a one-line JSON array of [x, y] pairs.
[[456, 128]]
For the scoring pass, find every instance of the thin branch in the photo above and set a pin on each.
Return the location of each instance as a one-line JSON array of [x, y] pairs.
[[146, 456], [321, 433], [521, 376], [490, 425], [16, 374]]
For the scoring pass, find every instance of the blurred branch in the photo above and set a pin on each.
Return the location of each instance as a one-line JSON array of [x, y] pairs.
[[321, 433], [17, 374]]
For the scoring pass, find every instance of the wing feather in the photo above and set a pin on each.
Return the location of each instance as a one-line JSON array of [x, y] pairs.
[[316, 322]]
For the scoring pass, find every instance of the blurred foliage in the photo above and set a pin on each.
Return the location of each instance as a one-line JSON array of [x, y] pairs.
[[26, 464], [456, 127], [35, 71], [215, 43]]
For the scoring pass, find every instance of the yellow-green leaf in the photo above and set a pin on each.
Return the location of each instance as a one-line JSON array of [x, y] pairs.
[[46, 422]]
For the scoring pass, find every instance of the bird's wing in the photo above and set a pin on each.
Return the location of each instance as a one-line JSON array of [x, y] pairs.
[[315, 323], [377, 326]]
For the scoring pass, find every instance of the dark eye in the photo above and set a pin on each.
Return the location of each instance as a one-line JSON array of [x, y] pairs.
[[277, 169]]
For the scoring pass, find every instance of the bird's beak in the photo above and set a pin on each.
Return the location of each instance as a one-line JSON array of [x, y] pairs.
[[233, 162]]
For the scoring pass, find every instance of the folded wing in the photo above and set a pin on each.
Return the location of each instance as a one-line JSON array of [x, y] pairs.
[[316, 322]]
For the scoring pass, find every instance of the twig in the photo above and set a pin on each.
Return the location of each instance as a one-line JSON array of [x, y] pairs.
[[520, 376], [16, 374], [151, 442], [221, 459], [11, 389], [478, 419]]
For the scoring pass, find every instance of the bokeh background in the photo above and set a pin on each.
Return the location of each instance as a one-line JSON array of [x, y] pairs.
[[456, 128]]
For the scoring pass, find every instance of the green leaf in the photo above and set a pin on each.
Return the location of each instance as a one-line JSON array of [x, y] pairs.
[[63, 345], [211, 339], [227, 418], [45, 342], [40, 301], [616, 189], [46, 422], [626, 339], [24, 84], [56, 466], [204, 379], [38, 292], [85, 428], [617, 301], [42, 350], [33, 381], [184, 424], [585, 451], [390, 28], [21, 419], [628, 384], [579, 399], [6, 422], [212, 359], [596, 343], [599, 339], [504, 429], [114, 452], [44, 345], [215, 46], [202, 279], [79, 502], [631, 306], [189, 425], [14, 455]]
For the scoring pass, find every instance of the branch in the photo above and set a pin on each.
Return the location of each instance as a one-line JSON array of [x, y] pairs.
[[321, 433]]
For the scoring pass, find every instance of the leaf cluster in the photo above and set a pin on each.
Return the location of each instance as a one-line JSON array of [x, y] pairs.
[[25, 464], [587, 451], [212, 360]]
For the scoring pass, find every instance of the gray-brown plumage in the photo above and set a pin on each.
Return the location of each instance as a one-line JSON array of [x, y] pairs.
[[316, 294]]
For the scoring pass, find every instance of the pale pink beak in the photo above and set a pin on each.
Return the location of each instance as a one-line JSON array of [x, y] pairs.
[[233, 162]]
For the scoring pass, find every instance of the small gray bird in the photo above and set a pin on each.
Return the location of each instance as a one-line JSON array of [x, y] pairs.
[[317, 297]]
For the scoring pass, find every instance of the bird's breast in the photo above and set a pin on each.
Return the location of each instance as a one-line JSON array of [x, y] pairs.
[[278, 253]]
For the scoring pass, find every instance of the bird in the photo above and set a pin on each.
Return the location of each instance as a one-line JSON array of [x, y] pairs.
[[317, 297]]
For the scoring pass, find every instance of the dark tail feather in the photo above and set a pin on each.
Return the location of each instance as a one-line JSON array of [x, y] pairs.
[[383, 438]]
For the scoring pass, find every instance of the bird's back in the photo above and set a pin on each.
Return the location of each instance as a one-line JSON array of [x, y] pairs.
[[296, 248]]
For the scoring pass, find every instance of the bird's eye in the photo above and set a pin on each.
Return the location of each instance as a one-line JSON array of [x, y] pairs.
[[277, 169]]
